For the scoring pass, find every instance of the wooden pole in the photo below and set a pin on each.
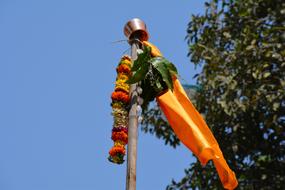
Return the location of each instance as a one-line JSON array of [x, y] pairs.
[[133, 129], [135, 30]]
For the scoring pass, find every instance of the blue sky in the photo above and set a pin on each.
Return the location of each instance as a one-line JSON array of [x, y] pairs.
[[57, 71]]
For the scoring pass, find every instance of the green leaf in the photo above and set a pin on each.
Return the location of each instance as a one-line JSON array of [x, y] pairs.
[[266, 74], [159, 87], [142, 59], [161, 67], [254, 75], [171, 67], [276, 105], [147, 95], [139, 74]]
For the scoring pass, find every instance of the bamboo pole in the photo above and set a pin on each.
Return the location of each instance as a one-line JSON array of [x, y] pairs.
[[135, 30], [132, 130]]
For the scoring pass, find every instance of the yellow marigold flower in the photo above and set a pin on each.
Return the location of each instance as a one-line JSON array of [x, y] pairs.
[[119, 143], [126, 60], [119, 112], [122, 76], [121, 81], [122, 86], [117, 105], [120, 121], [128, 63]]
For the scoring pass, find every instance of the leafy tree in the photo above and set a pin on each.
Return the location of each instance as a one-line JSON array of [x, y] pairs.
[[241, 46]]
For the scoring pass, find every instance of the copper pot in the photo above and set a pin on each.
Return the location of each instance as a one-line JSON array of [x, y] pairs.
[[136, 28]]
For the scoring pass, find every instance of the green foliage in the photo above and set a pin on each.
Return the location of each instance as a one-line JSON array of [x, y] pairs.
[[241, 46], [154, 75], [159, 64]]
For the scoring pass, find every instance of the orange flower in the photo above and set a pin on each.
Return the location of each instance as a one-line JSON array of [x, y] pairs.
[[122, 68], [126, 58], [121, 136], [117, 150], [120, 96]]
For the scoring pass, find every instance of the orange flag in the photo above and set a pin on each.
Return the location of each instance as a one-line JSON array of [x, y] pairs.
[[192, 130]]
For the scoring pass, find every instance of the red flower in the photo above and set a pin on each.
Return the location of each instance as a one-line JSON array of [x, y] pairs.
[[117, 150], [121, 135], [122, 68], [120, 96]]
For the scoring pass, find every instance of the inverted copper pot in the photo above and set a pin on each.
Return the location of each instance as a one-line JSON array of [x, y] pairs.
[[136, 28]]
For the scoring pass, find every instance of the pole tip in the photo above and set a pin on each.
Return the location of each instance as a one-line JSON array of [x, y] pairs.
[[136, 27]]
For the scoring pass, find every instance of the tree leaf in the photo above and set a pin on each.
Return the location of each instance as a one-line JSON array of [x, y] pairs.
[[266, 74], [276, 106]]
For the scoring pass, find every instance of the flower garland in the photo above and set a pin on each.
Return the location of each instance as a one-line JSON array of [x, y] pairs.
[[120, 103]]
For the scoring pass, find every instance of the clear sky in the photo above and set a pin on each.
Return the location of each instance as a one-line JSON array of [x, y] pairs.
[[57, 71]]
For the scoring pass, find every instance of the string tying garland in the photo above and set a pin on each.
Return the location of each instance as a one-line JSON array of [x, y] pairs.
[[120, 104]]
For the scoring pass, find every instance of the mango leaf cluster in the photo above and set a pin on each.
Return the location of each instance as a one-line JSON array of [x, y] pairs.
[[154, 75]]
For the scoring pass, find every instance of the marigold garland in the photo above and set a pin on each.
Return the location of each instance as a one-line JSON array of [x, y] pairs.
[[120, 96], [122, 87], [122, 76], [120, 136], [120, 103], [123, 68]]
